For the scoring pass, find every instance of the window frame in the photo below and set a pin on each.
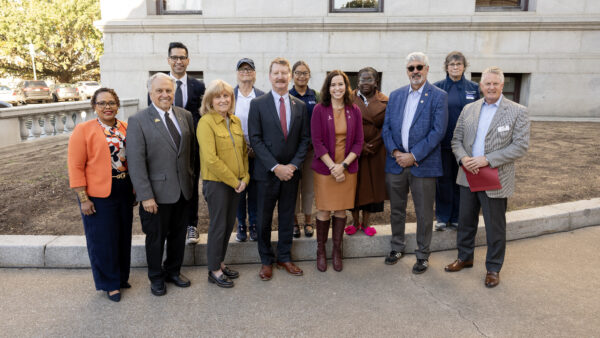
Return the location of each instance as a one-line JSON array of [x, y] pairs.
[[332, 8], [161, 11], [523, 7], [518, 78]]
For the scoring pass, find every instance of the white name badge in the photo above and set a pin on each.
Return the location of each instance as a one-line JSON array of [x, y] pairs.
[[503, 129]]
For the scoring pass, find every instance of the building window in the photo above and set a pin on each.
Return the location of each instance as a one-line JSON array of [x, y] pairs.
[[512, 85], [337, 6], [501, 5], [165, 7]]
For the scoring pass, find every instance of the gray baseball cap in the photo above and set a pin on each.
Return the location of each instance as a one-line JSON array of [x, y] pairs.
[[245, 60]]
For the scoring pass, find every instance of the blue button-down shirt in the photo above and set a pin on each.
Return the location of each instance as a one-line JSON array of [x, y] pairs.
[[485, 119], [409, 114]]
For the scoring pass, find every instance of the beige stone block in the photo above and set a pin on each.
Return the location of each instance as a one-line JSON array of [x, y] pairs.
[[133, 43], [342, 42], [213, 42], [304, 43], [275, 42], [590, 41], [310, 8], [11, 132], [455, 7], [218, 9], [555, 42], [560, 7], [256, 8], [490, 42], [401, 43], [443, 42], [162, 40]]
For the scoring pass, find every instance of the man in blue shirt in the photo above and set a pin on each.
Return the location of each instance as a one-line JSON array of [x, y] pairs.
[[415, 123]]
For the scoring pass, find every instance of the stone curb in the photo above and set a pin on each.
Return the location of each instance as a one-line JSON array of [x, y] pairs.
[[71, 251]]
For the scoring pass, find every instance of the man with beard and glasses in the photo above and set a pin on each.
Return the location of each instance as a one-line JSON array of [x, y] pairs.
[[415, 123]]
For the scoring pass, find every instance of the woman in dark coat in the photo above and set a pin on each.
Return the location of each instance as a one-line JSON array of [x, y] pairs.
[[370, 190]]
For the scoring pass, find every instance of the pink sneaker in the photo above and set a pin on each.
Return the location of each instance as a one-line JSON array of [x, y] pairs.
[[350, 230], [369, 231]]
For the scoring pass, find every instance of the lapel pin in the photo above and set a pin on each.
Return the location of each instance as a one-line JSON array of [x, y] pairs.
[[156, 120], [422, 101], [426, 94]]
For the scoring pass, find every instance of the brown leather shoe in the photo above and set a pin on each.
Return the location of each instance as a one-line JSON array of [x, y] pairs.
[[291, 268], [458, 265], [266, 272], [492, 278]]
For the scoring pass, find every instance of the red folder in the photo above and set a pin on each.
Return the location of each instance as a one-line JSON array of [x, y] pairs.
[[486, 179]]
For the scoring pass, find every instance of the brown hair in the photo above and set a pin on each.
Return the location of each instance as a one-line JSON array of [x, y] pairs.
[[105, 90], [280, 61], [326, 96], [300, 63], [455, 55]]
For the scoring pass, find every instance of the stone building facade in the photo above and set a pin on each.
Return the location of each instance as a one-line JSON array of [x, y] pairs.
[[550, 48]]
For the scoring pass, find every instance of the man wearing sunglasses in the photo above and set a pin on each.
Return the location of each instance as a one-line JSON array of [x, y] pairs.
[[415, 123]]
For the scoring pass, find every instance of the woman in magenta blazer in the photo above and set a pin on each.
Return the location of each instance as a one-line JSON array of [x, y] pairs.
[[337, 137]]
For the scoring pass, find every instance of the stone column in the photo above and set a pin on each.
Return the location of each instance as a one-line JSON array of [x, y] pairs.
[[36, 130], [58, 123], [23, 128], [48, 127]]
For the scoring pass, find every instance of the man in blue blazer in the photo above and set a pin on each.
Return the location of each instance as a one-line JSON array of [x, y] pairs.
[[415, 123]]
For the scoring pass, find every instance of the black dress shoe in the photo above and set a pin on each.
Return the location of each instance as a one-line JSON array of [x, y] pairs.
[[125, 285], [232, 274], [393, 257], [115, 298], [420, 266], [222, 281], [296, 231], [180, 281], [158, 288]]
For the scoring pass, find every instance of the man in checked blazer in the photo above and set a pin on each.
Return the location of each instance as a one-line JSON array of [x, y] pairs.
[[415, 123], [492, 131], [278, 129], [160, 141]]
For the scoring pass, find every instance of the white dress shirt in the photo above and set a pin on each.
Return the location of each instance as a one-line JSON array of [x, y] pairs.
[[171, 116], [242, 109], [485, 119], [412, 101], [184, 91], [288, 110]]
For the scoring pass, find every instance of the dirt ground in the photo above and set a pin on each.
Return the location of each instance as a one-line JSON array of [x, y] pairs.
[[563, 164]]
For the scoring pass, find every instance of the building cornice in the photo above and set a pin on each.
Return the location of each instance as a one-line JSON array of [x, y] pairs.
[[479, 22]]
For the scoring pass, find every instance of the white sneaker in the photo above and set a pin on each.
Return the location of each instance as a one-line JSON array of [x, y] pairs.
[[440, 226], [192, 236]]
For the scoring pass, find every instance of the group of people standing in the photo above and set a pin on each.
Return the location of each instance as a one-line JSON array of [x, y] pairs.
[[344, 149]]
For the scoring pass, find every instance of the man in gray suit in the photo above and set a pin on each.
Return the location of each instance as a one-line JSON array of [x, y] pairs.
[[492, 131], [160, 140]]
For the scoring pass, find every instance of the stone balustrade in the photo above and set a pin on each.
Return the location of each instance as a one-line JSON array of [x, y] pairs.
[[18, 124]]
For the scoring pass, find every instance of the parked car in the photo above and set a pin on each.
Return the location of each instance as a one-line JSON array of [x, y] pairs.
[[87, 88], [8, 95], [29, 91], [5, 104], [64, 92]]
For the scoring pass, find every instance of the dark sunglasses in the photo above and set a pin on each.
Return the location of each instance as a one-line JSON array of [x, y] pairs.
[[412, 68]]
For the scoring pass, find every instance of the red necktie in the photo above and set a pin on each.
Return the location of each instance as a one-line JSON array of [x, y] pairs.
[[282, 117]]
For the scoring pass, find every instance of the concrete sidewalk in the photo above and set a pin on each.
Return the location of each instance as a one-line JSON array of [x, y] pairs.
[[549, 287], [71, 251]]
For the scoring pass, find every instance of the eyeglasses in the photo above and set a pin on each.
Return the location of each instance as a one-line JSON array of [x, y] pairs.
[[245, 70], [299, 74], [104, 104], [458, 64], [178, 58], [412, 68]]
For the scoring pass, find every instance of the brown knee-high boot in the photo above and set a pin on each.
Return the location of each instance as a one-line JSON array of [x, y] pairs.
[[338, 225], [322, 234]]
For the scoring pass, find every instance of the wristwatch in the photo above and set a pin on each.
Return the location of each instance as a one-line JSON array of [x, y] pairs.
[[345, 165]]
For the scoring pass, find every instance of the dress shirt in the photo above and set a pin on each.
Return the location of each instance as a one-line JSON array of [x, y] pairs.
[[409, 113], [184, 91], [288, 110], [242, 109], [171, 116], [485, 119]]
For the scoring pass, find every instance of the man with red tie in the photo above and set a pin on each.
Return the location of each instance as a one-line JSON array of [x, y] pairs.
[[278, 129]]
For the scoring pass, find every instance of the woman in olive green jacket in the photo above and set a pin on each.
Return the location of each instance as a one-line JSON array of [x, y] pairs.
[[224, 171]]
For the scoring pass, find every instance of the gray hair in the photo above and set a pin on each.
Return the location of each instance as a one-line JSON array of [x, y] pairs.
[[493, 70], [159, 76], [417, 56]]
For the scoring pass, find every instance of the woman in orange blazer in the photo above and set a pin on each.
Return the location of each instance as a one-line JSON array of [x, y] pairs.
[[98, 174]]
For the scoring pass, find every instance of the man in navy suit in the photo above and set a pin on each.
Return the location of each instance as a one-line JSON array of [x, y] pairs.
[[415, 123], [188, 95], [278, 127]]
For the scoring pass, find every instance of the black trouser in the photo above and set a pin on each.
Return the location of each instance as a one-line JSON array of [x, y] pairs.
[[494, 216], [222, 203], [447, 196], [191, 208], [283, 193], [168, 224]]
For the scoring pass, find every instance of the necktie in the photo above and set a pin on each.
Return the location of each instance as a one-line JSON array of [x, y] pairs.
[[179, 95], [172, 130], [282, 117]]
